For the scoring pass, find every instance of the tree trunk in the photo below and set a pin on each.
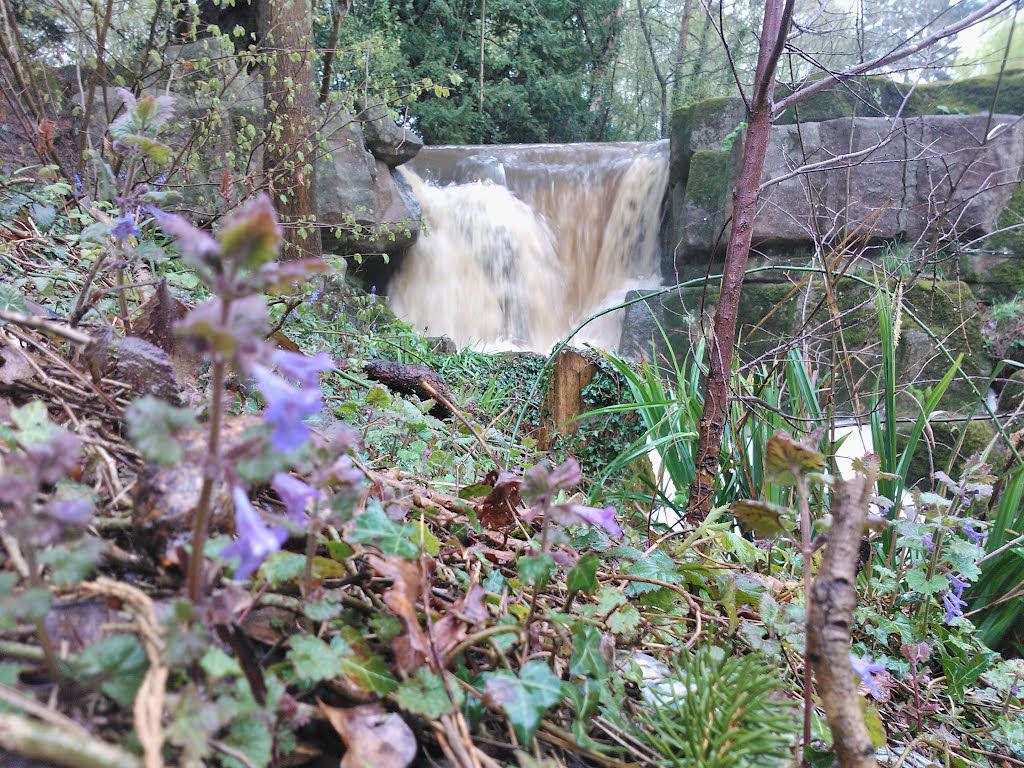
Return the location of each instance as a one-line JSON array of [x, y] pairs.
[[777, 17], [291, 98], [682, 43]]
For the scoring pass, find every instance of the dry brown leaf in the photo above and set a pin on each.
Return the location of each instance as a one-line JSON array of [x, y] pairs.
[[451, 629], [411, 648], [374, 737], [157, 316], [14, 366], [497, 510]]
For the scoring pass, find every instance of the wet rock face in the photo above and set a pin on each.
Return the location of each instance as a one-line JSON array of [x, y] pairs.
[[888, 179]]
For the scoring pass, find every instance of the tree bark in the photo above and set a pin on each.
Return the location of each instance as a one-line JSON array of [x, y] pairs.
[[291, 96], [777, 17], [829, 618]]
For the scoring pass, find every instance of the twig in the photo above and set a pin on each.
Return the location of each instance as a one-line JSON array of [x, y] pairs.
[[69, 748], [42, 324]]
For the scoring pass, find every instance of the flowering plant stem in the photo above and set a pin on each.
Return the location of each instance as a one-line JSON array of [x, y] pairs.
[[805, 546], [43, 634], [211, 471]]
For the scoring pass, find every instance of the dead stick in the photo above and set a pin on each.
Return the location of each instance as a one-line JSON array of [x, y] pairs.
[[833, 599]]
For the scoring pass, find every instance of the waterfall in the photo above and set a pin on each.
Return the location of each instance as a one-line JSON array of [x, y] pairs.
[[524, 242]]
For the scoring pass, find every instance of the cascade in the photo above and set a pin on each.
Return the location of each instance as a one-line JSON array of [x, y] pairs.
[[524, 242]]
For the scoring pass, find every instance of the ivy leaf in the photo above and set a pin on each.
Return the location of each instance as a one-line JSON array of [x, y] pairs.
[[587, 659], [362, 669], [524, 699], [918, 581], [583, 576], [654, 565], [376, 528], [536, 571], [251, 736], [153, 425], [424, 694], [11, 300], [43, 216], [963, 669], [116, 665]]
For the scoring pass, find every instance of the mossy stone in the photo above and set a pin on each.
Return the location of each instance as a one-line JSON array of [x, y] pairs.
[[708, 183], [937, 456], [1013, 392]]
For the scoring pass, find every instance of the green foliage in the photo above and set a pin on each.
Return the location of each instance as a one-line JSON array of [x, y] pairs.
[[114, 665], [724, 712], [525, 697]]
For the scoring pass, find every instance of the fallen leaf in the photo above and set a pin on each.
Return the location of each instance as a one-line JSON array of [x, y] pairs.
[[374, 737], [14, 366], [411, 648], [497, 510]]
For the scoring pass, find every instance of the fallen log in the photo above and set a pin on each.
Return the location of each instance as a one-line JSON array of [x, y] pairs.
[[408, 379]]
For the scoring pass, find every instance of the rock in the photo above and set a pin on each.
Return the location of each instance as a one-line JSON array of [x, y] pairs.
[[1013, 393], [642, 327], [906, 178], [956, 440], [385, 139], [366, 206], [441, 345]]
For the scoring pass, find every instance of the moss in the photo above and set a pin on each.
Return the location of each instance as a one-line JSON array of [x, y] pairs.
[[877, 96], [712, 117], [708, 184], [874, 96], [969, 96], [947, 435]]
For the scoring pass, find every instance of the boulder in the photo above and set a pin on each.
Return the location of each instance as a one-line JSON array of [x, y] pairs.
[[385, 139]]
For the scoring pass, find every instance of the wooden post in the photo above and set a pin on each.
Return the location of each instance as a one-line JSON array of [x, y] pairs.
[[563, 399]]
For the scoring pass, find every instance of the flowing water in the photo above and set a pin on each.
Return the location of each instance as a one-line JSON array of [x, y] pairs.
[[524, 242]]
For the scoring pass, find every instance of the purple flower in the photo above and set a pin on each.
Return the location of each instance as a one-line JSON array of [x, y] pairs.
[[287, 406], [254, 541], [927, 542], [970, 533], [957, 585], [954, 605], [125, 227], [302, 368], [294, 493], [867, 669], [567, 514], [78, 184]]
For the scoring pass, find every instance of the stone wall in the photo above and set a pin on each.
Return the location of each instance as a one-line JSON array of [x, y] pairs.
[[926, 196]]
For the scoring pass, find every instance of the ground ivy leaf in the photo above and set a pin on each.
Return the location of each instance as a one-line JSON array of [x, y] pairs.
[[583, 576], [608, 599], [425, 695], [919, 582], [526, 698], [217, 664], [33, 424], [624, 620], [281, 567], [251, 736], [374, 527], [153, 426], [587, 659], [74, 562], [116, 665], [313, 659]]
